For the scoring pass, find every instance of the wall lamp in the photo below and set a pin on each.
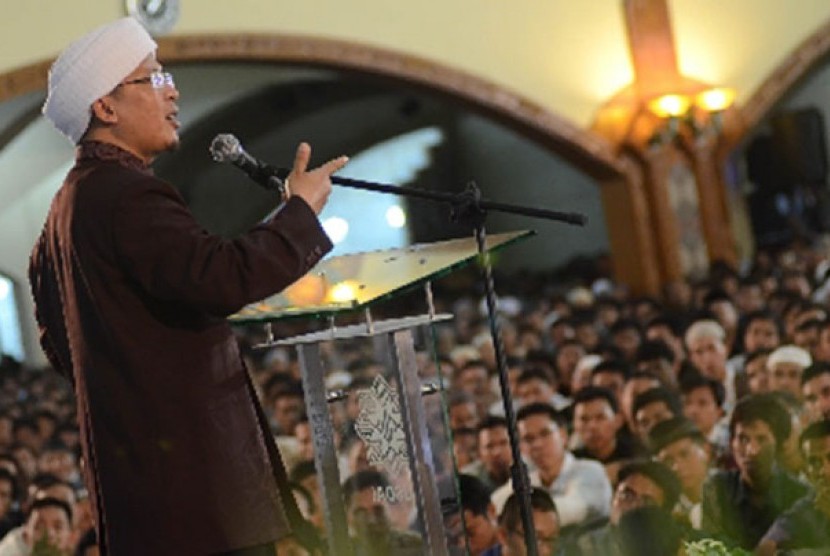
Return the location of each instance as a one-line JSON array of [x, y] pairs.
[[700, 114]]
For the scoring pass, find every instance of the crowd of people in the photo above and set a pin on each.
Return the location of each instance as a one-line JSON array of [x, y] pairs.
[[702, 414]]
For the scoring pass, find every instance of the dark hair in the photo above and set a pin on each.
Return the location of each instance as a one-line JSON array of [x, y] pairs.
[[753, 355], [661, 475], [534, 373], [765, 408], [654, 349], [622, 324], [814, 370], [539, 500], [8, 476], [659, 394], [649, 530], [693, 381], [615, 366], [541, 408], [671, 430], [591, 393], [475, 496], [302, 471], [819, 429], [88, 540], [668, 321], [492, 422], [362, 480], [50, 502]]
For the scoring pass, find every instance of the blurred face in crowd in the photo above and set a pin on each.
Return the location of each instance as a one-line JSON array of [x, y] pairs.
[[547, 536], [633, 388], [627, 340], [651, 414], [822, 349], [701, 407], [59, 463], [754, 448], [50, 523], [817, 458], [534, 390], [817, 396], [725, 314], [463, 416], [566, 359], [708, 354], [690, 462], [543, 442], [6, 497], [761, 334], [663, 333], [302, 432], [660, 368], [757, 375], [807, 337], [367, 514], [494, 453], [749, 297], [481, 530], [287, 412], [785, 376], [465, 447], [635, 491], [596, 424], [474, 381], [609, 380], [6, 435]]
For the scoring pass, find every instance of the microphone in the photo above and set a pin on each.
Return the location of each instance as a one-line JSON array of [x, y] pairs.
[[225, 147]]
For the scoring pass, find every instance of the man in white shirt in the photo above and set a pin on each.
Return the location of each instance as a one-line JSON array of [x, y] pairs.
[[579, 487]]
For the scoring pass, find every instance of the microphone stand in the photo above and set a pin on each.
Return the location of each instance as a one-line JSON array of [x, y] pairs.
[[468, 206]]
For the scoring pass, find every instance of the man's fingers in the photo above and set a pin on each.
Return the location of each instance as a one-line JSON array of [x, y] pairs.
[[301, 159], [334, 165]]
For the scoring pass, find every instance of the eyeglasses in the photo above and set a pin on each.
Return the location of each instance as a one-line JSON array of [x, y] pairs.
[[157, 79]]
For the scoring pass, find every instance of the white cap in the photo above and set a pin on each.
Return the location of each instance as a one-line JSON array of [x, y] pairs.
[[789, 354], [91, 67]]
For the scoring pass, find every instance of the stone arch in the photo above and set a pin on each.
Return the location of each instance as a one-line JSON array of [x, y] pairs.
[[584, 149]]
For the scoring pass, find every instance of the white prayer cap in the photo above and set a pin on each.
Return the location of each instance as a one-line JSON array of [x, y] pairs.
[[789, 354], [91, 67]]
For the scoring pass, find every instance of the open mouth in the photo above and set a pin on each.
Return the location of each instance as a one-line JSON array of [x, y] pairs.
[[173, 119]]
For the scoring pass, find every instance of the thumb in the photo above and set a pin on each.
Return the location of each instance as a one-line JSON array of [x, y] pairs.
[[301, 158]]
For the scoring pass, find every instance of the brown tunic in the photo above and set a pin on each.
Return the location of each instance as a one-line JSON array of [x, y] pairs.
[[131, 295]]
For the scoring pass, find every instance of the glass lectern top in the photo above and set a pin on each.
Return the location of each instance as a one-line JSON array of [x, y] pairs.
[[350, 282]]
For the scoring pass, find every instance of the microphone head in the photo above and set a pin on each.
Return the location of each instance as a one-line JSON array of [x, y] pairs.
[[225, 147]]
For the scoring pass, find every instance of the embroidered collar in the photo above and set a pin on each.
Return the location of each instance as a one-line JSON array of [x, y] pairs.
[[107, 152]]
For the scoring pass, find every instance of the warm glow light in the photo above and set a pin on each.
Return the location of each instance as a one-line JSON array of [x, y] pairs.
[[343, 291], [395, 217], [716, 100], [336, 228], [670, 106], [308, 290]]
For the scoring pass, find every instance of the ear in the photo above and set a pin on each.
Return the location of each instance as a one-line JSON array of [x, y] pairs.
[[104, 111]]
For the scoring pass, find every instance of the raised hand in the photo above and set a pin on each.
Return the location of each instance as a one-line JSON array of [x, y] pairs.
[[314, 186]]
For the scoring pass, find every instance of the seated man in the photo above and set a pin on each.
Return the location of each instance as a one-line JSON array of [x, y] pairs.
[[807, 523], [545, 522], [494, 456], [815, 386], [740, 505], [680, 446], [534, 385], [786, 365], [579, 487], [642, 483], [479, 516], [47, 530], [364, 495], [703, 400], [599, 425], [652, 407]]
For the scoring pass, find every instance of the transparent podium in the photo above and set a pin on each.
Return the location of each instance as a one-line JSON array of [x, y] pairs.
[[393, 415]]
